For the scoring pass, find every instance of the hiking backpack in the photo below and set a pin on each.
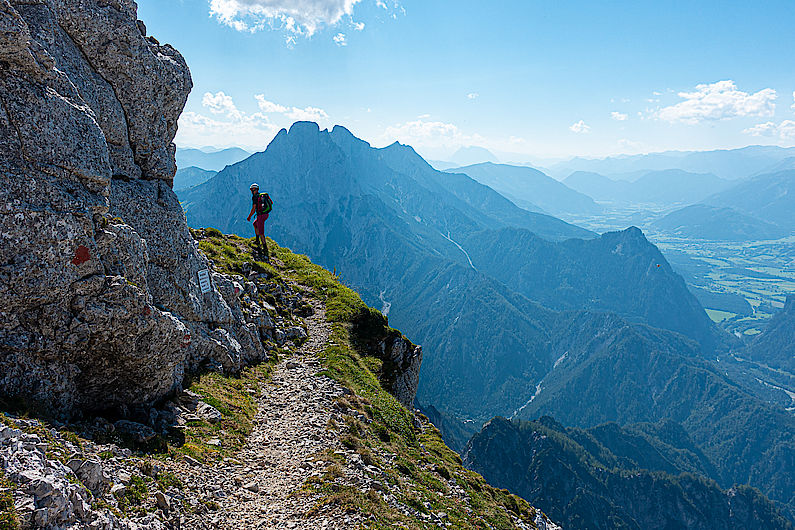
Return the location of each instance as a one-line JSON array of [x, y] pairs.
[[264, 204]]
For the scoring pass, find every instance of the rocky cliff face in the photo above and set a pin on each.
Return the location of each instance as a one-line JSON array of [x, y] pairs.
[[100, 303]]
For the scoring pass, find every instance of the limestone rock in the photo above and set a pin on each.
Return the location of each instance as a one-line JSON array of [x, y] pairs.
[[90, 473], [404, 359], [163, 502], [138, 432], [208, 412], [51, 495], [100, 304]]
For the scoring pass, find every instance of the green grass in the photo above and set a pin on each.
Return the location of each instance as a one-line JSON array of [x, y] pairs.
[[131, 501], [167, 479], [422, 465], [235, 398], [8, 514], [718, 316]]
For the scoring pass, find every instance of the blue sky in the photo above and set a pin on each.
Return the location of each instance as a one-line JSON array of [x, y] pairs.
[[526, 79]]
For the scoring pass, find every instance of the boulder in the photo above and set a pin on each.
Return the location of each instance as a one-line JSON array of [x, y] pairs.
[[208, 412], [137, 432]]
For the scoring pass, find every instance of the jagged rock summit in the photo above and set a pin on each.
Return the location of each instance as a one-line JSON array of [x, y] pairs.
[[100, 302]]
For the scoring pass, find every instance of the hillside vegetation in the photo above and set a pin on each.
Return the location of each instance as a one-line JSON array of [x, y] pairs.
[[409, 452], [613, 477]]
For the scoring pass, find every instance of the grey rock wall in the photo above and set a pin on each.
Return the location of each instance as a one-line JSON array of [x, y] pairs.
[[405, 359], [99, 298]]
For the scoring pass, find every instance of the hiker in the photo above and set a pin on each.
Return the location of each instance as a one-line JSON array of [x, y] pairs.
[[261, 205]]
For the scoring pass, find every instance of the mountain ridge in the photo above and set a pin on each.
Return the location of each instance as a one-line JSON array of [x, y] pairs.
[[531, 189], [209, 161], [726, 163], [585, 484]]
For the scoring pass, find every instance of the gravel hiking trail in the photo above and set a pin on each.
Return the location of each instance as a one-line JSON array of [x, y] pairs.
[[257, 489]]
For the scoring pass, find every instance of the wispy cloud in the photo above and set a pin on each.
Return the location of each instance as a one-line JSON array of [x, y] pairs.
[[580, 127], [227, 125], [784, 130], [294, 113], [269, 106], [430, 134], [220, 103], [339, 39], [626, 146], [473, 95], [618, 116], [296, 18], [718, 101]]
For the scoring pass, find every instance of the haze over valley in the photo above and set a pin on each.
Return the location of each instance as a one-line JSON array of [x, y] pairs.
[[397, 264], [527, 309]]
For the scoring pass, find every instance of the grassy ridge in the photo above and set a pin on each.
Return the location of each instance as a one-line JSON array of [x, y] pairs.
[[426, 477], [413, 458]]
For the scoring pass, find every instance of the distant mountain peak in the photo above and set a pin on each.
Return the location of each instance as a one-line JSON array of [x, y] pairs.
[[473, 154], [304, 127]]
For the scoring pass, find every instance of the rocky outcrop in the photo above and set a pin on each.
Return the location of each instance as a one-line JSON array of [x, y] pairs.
[[403, 359], [57, 495], [100, 302]]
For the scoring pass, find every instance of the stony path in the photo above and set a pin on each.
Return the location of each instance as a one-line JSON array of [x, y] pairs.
[[290, 428]]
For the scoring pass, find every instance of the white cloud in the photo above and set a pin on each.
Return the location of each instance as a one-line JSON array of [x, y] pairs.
[[231, 126], [580, 127], [784, 130], [294, 113], [618, 116], [719, 101], [630, 146], [293, 17], [302, 17], [252, 131], [220, 103], [473, 95], [307, 114], [339, 39], [269, 106], [762, 129], [430, 134]]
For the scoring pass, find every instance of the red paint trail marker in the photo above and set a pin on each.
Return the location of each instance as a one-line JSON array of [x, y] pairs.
[[81, 255]]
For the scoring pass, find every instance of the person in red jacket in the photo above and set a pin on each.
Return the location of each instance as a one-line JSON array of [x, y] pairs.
[[261, 206]]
